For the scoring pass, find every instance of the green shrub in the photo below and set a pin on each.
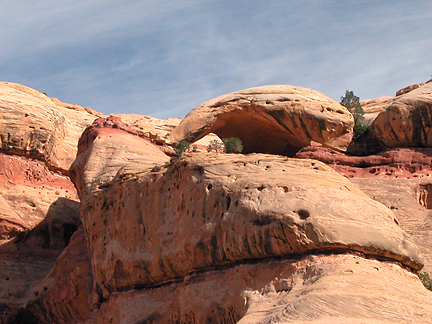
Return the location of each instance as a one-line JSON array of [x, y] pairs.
[[181, 147], [215, 145], [352, 103], [233, 145], [426, 280]]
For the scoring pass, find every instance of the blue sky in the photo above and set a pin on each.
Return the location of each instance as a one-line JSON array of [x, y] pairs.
[[163, 58]]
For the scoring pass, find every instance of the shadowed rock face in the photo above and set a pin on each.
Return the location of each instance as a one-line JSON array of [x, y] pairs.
[[317, 289], [39, 204], [271, 119]]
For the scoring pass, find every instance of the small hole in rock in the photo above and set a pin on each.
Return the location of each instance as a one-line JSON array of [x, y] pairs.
[[303, 213]]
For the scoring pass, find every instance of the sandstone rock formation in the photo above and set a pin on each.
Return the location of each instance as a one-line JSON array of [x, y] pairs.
[[398, 178], [271, 119], [33, 125], [157, 130], [409, 88], [407, 121], [39, 204], [373, 107], [229, 238], [235, 208], [66, 295], [397, 162], [316, 289], [210, 238]]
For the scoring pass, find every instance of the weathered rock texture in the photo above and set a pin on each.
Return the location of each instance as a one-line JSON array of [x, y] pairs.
[[210, 238], [234, 208], [179, 225], [409, 88], [411, 201], [33, 125], [398, 162], [111, 149], [373, 107], [66, 294], [315, 289], [157, 130], [271, 119], [407, 121], [39, 204]]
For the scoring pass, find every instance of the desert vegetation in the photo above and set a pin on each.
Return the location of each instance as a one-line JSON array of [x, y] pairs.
[[352, 103]]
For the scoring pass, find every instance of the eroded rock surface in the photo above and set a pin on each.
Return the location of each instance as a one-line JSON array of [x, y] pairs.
[[316, 289], [39, 204], [35, 126], [66, 295], [271, 119], [216, 238], [235, 208], [398, 162], [407, 121]]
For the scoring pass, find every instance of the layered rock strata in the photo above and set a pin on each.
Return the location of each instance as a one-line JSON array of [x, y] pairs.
[[223, 238], [398, 162], [271, 119], [39, 204]]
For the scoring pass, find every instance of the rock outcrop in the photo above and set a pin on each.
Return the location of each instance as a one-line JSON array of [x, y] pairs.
[[208, 237], [212, 237], [317, 289], [271, 119], [34, 126], [407, 121], [398, 162], [39, 204]]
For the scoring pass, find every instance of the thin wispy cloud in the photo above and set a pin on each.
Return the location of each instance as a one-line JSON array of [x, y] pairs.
[[164, 58]]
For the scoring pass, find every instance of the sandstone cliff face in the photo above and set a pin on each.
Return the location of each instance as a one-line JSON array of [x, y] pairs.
[[234, 208], [224, 238], [316, 289], [271, 119], [215, 238], [39, 204], [406, 122]]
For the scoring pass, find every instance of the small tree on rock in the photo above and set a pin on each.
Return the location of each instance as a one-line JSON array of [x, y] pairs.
[[233, 145], [181, 147], [352, 103], [215, 145]]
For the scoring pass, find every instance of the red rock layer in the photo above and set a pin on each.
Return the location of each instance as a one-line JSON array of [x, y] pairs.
[[400, 163]]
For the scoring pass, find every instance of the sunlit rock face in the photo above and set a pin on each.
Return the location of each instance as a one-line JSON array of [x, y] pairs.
[[224, 238], [407, 120], [278, 119], [39, 205], [149, 222]]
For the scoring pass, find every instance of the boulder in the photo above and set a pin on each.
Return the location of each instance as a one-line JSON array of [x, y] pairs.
[[407, 120], [278, 119], [35, 126]]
